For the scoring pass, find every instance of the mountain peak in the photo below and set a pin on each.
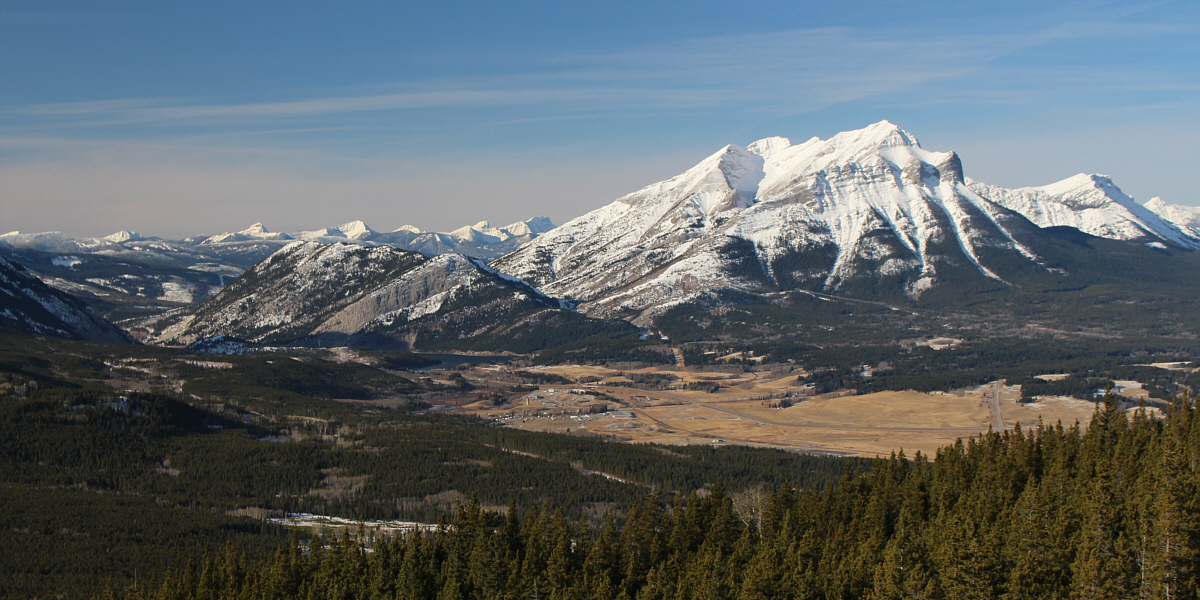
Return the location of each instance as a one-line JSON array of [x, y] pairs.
[[123, 236], [769, 145], [1093, 181], [877, 136], [859, 206], [255, 229], [531, 227], [356, 229], [540, 224], [1186, 218]]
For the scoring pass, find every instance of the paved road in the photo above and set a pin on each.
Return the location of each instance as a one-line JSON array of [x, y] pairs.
[[997, 418]]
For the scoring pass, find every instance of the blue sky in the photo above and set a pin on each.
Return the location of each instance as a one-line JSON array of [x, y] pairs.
[[177, 118]]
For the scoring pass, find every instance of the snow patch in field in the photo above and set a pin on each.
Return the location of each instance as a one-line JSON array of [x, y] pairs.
[[66, 261], [174, 291]]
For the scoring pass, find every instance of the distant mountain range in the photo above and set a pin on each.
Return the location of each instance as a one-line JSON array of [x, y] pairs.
[[118, 268], [865, 215], [480, 240]]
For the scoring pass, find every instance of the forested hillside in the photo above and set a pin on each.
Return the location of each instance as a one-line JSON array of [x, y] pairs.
[[1052, 512], [99, 483]]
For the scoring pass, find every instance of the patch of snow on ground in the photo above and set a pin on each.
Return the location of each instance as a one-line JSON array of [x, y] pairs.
[[174, 291], [66, 261]]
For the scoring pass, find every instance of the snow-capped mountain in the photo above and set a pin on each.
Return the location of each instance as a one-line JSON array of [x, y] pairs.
[[480, 240], [256, 231], [123, 236], [28, 304], [863, 206], [1089, 203], [1186, 218], [865, 213], [346, 293], [354, 230]]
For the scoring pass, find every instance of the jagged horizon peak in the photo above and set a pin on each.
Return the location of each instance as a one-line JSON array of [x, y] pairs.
[[769, 145], [1095, 181], [255, 228], [409, 228], [464, 233], [123, 236], [539, 224], [883, 134], [356, 228]]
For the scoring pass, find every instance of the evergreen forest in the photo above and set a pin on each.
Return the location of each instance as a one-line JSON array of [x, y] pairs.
[[1112, 511], [141, 472]]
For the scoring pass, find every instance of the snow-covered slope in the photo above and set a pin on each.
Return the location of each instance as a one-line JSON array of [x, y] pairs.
[[292, 291], [860, 208], [27, 304], [1089, 203], [346, 293], [1186, 218]]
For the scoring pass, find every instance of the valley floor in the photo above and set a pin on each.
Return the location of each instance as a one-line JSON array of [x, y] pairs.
[[767, 409]]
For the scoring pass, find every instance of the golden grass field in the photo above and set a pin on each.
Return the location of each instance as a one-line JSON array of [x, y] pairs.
[[744, 412]]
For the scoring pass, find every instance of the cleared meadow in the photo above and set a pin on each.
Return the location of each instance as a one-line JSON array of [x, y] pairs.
[[762, 409]]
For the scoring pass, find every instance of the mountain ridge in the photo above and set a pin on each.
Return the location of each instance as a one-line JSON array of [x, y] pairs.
[[310, 293], [1091, 203]]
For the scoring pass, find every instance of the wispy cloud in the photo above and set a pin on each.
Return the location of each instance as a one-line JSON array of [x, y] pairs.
[[221, 162], [783, 73]]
